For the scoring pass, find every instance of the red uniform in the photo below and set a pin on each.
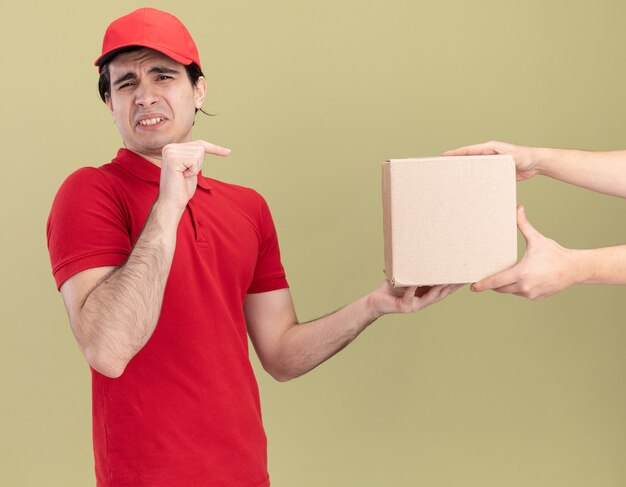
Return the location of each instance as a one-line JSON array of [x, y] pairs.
[[186, 410]]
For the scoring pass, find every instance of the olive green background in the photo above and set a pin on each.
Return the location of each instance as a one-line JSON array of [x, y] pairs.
[[480, 390]]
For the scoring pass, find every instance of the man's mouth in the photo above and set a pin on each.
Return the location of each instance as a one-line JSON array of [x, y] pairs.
[[150, 121]]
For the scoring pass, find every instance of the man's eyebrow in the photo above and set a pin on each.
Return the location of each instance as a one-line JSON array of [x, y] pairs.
[[162, 70], [126, 77]]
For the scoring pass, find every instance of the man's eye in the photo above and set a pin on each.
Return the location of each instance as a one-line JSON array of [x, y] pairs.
[[164, 77], [125, 85]]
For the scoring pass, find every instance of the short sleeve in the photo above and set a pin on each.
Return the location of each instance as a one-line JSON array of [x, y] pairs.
[[87, 226], [269, 273]]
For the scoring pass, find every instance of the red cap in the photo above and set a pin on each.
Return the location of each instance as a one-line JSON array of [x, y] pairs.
[[148, 27]]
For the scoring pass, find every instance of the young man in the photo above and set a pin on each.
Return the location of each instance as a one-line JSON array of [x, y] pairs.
[[163, 271], [548, 268]]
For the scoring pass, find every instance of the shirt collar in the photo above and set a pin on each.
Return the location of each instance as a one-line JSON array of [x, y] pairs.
[[148, 171]]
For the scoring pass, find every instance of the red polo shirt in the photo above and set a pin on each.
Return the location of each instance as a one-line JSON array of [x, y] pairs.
[[186, 410]]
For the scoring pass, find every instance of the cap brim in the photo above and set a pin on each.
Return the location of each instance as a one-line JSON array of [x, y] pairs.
[[108, 56]]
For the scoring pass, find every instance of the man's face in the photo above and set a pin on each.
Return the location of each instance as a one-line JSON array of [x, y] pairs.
[[152, 101]]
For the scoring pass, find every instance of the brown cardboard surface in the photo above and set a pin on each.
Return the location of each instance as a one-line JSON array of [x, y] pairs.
[[448, 219]]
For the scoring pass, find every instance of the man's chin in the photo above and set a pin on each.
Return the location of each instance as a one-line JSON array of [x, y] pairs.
[[154, 146]]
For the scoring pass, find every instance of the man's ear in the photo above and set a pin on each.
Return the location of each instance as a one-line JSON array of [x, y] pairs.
[[199, 92]]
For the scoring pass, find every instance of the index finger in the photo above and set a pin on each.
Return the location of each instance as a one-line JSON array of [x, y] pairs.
[[504, 278], [213, 149], [483, 149]]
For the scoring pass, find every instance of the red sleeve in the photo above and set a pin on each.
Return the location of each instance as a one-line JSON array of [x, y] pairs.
[[269, 274], [87, 226]]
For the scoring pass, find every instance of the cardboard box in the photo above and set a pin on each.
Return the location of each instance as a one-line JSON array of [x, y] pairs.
[[448, 220]]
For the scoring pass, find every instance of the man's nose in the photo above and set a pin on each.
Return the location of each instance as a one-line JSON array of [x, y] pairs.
[[145, 95]]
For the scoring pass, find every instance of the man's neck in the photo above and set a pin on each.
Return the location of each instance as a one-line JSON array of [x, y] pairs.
[[154, 159]]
